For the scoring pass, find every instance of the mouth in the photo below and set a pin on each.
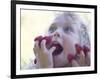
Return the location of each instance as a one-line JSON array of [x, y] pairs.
[[50, 44], [58, 49]]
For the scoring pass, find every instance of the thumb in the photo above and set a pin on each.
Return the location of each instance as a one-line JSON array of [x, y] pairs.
[[52, 49]]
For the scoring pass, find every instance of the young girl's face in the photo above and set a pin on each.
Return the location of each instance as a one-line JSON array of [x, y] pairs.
[[64, 32]]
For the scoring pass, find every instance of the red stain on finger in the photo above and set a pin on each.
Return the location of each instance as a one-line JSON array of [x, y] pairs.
[[78, 48], [86, 49]]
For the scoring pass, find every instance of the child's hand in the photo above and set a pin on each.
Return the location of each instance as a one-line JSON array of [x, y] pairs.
[[43, 55], [82, 59]]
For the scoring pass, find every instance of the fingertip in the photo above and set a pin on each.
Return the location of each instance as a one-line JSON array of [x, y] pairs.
[[36, 42], [43, 44], [44, 41], [52, 49]]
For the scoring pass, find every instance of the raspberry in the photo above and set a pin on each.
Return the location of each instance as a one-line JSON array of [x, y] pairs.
[[70, 57], [50, 44], [48, 40], [78, 48], [40, 38], [85, 49]]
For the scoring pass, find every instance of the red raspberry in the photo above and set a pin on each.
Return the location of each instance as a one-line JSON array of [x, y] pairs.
[[85, 49], [48, 40], [40, 38], [70, 57], [78, 48]]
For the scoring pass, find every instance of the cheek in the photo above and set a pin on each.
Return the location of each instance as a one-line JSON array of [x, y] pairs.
[[69, 44], [71, 38]]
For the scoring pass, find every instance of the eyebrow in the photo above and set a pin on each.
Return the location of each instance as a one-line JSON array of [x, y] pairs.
[[69, 26], [53, 26]]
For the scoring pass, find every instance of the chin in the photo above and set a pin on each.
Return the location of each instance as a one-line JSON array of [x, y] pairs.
[[60, 60]]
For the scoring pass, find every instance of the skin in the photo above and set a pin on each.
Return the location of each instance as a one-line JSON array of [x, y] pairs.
[[64, 31], [44, 56]]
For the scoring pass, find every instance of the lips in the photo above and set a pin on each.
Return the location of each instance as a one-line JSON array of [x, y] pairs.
[[58, 49], [50, 44]]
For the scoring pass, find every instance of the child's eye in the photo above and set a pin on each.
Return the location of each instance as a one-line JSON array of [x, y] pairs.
[[52, 29], [67, 29]]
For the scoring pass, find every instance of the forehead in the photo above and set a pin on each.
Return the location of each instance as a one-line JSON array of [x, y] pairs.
[[64, 19]]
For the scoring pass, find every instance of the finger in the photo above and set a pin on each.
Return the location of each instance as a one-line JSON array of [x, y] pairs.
[[75, 63], [82, 58], [34, 50], [37, 45], [43, 45], [82, 55], [52, 49], [88, 62], [88, 55]]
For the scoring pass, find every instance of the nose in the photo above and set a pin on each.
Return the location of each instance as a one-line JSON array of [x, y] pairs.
[[56, 34]]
